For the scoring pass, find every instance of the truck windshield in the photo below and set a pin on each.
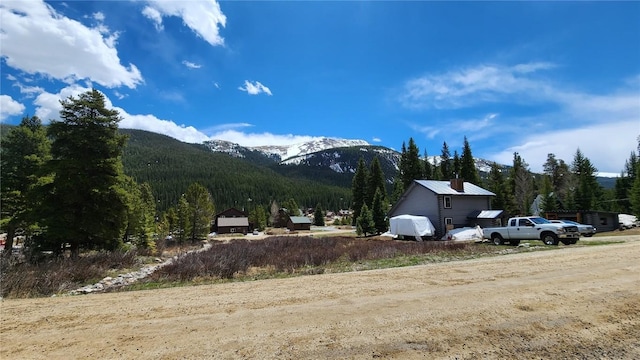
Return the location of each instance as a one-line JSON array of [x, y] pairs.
[[539, 220]]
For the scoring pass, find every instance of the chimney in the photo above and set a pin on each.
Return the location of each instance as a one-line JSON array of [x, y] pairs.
[[457, 184]]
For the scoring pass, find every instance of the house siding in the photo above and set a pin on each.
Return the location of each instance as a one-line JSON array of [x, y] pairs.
[[233, 221], [460, 206]]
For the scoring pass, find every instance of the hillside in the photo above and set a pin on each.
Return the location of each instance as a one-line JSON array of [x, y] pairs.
[[170, 166], [234, 173]]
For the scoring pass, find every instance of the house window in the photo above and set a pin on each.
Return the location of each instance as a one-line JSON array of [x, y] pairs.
[[448, 221], [232, 230], [447, 202]]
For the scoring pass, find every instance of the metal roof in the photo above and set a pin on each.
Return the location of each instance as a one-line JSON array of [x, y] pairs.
[[300, 220], [444, 188], [485, 214], [233, 221]]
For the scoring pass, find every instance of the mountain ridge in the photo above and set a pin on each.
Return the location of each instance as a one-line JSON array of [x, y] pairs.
[[283, 152]]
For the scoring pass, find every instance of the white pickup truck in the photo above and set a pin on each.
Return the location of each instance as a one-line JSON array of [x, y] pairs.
[[532, 228]]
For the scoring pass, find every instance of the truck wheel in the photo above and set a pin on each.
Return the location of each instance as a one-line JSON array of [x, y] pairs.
[[497, 239], [550, 239]]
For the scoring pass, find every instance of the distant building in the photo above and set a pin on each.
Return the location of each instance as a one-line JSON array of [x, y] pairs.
[[297, 223], [601, 220], [231, 221]]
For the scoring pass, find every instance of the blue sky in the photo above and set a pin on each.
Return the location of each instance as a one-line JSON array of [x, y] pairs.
[[527, 77]]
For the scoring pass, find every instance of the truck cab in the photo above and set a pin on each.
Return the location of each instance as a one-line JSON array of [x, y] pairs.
[[532, 228]]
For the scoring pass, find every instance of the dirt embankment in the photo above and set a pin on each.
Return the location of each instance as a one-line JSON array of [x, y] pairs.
[[574, 302]]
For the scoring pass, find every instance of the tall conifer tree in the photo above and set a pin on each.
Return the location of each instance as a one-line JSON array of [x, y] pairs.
[[375, 182], [446, 171], [200, 211], [25, 151], [411, 166], [468, 170], [85, 207], [588, 190], [359, 188]]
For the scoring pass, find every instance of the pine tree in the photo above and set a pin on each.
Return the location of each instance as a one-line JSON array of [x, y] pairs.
[[258, 217], [141, 210], [588, 190], [200, 211], [85, 207], [171, 219], [375, 182], [378, 213], [468, 170], [634, 193], [183, 225], [548, 202], [411, 166], [625, 182], [359, 188], [25, 151], [147, 227], [456, 164], [496, 184], [446, 171], [364, 224], [437, 171], [318, 216], [428, 167], [398, 190], [292, 207]]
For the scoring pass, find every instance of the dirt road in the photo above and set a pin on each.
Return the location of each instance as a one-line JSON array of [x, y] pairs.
[[574, 302]]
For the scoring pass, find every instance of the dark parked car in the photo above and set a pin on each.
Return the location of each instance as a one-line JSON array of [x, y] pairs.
[[585, 230]]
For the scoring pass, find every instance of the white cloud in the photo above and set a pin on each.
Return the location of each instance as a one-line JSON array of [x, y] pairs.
[[470, 86], [223, 127], [48, 105], [376, 139], [9, 107], [191, 65], [37, 39], [48, 108], [254, 88], [602, 144], [153, 15], [261, 139], [203, 17], [28, 91], [556, 118], [98, 16], [167, 127], [119, 95]]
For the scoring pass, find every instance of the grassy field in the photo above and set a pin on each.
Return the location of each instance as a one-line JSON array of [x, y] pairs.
[[244, 259]]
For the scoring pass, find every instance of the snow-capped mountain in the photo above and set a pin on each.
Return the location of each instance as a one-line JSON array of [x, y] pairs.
[[227, 147], [283, 152], [286, 152], [345, 160]]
